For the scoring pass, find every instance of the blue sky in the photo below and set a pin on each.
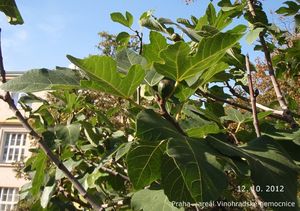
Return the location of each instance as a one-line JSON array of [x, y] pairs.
[[54, 28]]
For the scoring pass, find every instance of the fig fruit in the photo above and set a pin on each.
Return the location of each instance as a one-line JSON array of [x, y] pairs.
[[165, 88]]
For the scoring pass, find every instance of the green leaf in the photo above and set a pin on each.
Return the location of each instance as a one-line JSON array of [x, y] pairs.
[[236, 116], [68, 133], [126, 58], [211, 14], [179, 65], [202, 132], [90, 133], [292, 8], [152, 200], [104, 77], [147, 21], [10, 9], [123, 37], [43, 79], [211, 72], [224, 18], [120, 18], [150, 126], [151, 53], [185, 22], [157, 44], [173, 182], [70, 164], [269, 165], [47, 194], [201, 175], [153, 78], [293, 136], [144, 162], [39, 165], [129, 18], [260, 116], [253, 35], [122, 150], [183, 92], [93, 177], [189, 32]]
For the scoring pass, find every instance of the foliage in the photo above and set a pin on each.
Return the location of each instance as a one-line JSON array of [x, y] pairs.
[[180, 141], [110, 43], [10, 9]]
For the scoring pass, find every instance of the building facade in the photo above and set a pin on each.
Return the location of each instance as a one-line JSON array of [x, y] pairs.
[[14, 145]]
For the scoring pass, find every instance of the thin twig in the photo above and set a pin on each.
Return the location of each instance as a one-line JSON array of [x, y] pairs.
[[112, 172], [138, 91], [286, 112], [252, 98], [7, 98], [3, 74]]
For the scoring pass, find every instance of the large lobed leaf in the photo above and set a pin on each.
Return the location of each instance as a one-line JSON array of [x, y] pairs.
[[194, 174], [103, 74], [270, 165], [144, 163], [179, 65], [43, 79], [157, 43], [10, 9], [189, 170]]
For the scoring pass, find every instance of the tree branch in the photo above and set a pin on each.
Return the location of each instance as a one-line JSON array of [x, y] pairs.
[[237, 105], [112, 172], [260, 106], [138, 94], [7, 98], [286, 112], [252, 98]]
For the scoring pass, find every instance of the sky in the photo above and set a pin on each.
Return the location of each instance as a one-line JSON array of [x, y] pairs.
[[55, 28]]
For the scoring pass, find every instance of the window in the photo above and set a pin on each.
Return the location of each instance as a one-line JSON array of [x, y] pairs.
[[8, 198], [13, 147]]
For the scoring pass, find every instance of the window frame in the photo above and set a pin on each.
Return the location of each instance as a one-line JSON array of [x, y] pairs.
[[3, 135], [14, 197]]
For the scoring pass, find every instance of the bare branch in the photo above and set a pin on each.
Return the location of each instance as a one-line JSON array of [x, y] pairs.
[[286, 112], [138, 94], [252, 98], [2, 70], [237, 105], [260, 106]]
